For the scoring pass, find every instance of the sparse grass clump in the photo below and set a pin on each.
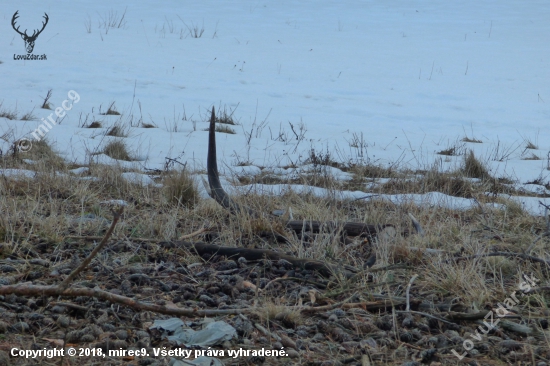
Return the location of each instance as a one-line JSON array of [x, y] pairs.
[[223, 129], [472, 140], [474, 168], [111, 111], [531, 145], [117, 150], [533, 156], [226, 117], [9, 114], [28, 116], [147, 125], [117, 131], [180, 188], [94, 124]]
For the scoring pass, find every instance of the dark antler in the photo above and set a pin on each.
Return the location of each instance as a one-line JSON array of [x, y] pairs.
[[15, 16], [216, 190]]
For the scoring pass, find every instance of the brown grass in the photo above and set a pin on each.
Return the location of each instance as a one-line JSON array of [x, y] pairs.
[[117, 150], [39, 213]]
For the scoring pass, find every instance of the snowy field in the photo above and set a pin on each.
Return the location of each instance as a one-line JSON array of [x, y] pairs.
[[384, 83]]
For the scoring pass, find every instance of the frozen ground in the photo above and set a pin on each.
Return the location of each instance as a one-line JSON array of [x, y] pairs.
[[383, 83]]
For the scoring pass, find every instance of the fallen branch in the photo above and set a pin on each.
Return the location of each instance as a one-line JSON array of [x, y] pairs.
[[323, 268], [36, 290]]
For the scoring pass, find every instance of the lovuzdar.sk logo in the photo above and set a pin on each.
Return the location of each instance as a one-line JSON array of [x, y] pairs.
[[29, 40]]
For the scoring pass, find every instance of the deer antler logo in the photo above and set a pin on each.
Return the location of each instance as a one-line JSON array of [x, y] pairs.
[[29, 40]]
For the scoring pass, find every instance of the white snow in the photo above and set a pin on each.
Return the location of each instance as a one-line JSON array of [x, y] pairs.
[[389, 83], [141, 179]]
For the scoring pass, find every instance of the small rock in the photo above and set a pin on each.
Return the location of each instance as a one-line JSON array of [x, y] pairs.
[[369, 342], [292, 353], [95, 330], [119, 343], [108, 327], [142, 334], [59, 309], [20, 327], [122, 334], [208, 300], [63, 321], [510, 345], [3, 327], [6, 268], [408, 322], [87, 338], [227, 265], [318, 337], [73, 336]]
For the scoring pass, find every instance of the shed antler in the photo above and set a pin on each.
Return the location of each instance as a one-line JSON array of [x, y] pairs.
[[216, 190]]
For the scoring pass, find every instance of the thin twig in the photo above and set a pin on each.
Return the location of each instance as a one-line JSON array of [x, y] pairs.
[[94, 252], [424, 314]]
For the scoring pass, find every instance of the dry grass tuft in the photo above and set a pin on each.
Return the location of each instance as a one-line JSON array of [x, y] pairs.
[[117, 150], [117, 131], [95, 124], [472, 140], [180, 188], [111, 111], [474, 168]]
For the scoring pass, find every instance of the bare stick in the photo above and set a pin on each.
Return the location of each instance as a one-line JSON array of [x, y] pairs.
[[94, 252], [408, 308], [32, 290]]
